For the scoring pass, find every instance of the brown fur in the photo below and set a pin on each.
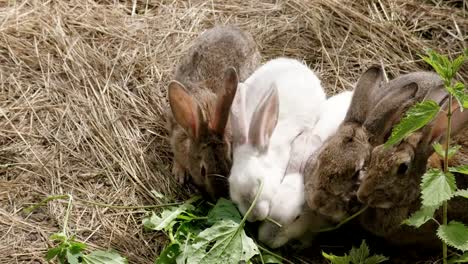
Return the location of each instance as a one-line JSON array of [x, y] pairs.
[[332, 182], [392, 182], [198, 124]]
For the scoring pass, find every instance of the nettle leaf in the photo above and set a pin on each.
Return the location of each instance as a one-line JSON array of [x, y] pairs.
[[462, 193], [458, 91], [460, 169], [224, 210], [356, 256], [415, 118], [454, 234], [53, 252], [104, 257], [458, 62], [169, 254], [439, 149], [459, 259], [420, 217], [58, 237], [437, 187], [440, 63], [155, 222], [224, 242]]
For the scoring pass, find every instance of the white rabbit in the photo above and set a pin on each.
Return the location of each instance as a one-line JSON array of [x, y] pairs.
[[289, 207], [271, 108]]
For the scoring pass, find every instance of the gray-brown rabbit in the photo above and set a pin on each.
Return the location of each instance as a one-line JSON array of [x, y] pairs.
[[332, 181], [200, 99], [391, 183]]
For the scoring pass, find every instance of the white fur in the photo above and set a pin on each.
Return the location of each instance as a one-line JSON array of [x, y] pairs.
[[288, 206], [300, 95]]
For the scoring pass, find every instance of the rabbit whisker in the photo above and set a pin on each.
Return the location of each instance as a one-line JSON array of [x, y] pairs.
[[216, 175]]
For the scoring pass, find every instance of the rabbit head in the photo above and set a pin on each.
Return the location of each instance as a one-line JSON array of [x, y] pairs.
[[332, 176], [209, 147], [393, 176], [251, 148]]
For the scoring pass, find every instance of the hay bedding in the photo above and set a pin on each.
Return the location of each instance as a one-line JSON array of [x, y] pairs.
[[83, 90]]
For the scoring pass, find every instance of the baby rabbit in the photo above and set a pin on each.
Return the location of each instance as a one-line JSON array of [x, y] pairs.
[[391, 183], [288, 207], [272, 107], [200, 99], [331, 181]]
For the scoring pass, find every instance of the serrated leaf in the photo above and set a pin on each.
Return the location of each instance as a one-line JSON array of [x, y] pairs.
[[169, 254], [224, 210], [454, 234], [458, 62], [421, 216], [224, 242], [462, 193], [415, 118], [104, 257], [458, 91], [356, 256], [336, 259], [460, 169], [162, 222], [439, 149], [459, 259], [440, 63], [437, 187], [73, 257]]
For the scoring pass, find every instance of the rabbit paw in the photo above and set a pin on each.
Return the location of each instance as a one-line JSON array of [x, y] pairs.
[[180, 173]]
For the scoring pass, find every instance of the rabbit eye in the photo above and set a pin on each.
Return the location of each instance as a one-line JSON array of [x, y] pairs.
[[403, 168]]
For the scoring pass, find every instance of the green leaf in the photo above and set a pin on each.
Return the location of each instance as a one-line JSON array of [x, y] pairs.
[[437, 187], [271, 259], [454, 234], [73, 257], [356, 256], [440, 63], [421, 216], [416, 117], [224, 210], [104, 257], [155, 222], [458, 91], [224, 242], [59, 237], [458, 62], [51, 253], [439, 149], [169, 254], [459, 259], [462, 193], [460, 169]]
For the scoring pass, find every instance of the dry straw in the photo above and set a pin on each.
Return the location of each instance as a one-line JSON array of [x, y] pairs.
[[83, 86]]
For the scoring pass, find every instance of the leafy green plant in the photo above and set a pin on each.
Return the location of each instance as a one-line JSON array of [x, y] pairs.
[[356, 256], [439, 186], [201, 235], [69, 251]]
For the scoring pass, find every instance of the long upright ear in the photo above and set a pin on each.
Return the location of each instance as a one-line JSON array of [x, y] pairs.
[[185, 109], [224, 102], [388, 111], [238, 116], [264, 120], [366, 89]]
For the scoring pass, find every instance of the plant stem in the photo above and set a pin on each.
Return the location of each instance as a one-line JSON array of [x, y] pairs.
[[274, 254], [252, 205], [342, 222], [67, 214], [446, 160]]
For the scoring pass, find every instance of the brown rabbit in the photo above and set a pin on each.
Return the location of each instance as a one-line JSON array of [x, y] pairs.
[[200, 99], [332, 181], [391, 183]]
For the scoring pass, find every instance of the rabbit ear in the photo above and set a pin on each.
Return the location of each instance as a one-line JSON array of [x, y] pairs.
[[366, 89], [185, 109], [264, 120], [238, 117], [224, 102], [388, 110]]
